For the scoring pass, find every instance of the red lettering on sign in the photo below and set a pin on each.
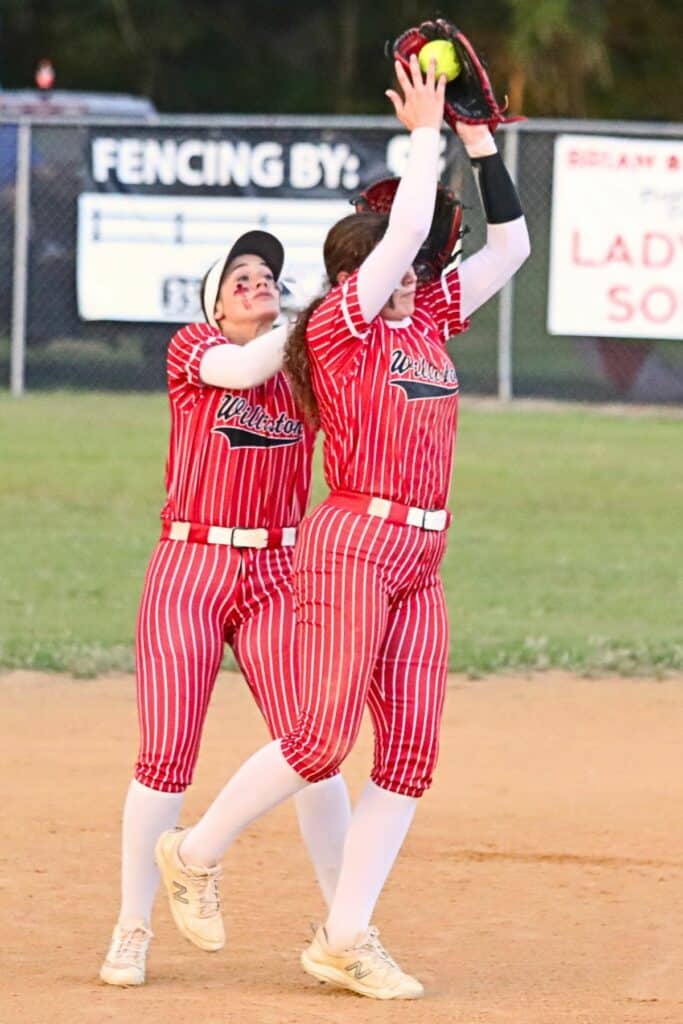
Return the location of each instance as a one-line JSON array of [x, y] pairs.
[[658, 304], [658, 249], [618, 252], [654, 249], [577, 258], [613, 161], [618, 294]]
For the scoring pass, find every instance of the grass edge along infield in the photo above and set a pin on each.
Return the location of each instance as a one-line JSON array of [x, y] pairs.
[[564, 549]]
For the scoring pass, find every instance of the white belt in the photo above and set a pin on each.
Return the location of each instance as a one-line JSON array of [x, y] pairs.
[[234, 536], [424, 518]]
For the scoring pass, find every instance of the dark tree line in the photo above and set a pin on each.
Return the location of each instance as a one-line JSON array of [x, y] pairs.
[[579, 58]]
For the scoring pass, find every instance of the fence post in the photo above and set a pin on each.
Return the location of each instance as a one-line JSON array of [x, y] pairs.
[[506, 303], [20, 269]]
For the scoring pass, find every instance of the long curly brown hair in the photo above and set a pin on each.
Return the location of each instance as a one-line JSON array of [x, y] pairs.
[[348, 243]]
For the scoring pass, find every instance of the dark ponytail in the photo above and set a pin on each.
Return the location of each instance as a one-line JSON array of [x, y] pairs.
[[347, 244], [297, 366]]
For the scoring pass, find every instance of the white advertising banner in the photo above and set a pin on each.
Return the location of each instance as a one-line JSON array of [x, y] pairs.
[[616, 255], [142, 257]]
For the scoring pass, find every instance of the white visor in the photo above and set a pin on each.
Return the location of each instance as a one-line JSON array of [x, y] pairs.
[[210, 292], [260, 243]]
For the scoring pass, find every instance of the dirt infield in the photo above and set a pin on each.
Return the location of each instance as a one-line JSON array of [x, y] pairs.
[[542, 882]]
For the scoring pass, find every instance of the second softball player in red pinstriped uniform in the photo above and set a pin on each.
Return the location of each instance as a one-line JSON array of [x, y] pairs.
[[369, 360], [237, 478], [367, 582]]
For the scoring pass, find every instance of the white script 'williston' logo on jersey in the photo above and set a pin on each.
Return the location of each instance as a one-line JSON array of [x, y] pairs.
[[417, 378], [250, 426]]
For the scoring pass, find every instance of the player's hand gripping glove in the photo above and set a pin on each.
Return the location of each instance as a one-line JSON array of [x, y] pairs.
[[469, 97], [440, 247]]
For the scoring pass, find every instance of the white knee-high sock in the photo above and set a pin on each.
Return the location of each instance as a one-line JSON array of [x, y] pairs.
[[146, 814], [262, 782], [379, 824], [324, 813]]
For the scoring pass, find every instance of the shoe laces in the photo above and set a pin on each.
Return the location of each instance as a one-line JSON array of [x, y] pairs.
[[205, 887], [130, 943], [372, 943]]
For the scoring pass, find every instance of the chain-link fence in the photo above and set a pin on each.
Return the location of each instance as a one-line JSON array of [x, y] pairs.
[[47, 342]]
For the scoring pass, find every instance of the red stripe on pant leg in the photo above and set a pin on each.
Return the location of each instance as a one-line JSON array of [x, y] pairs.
[[201, 621], [420, 766], [406, 551], [264, 640], [341, 613], [407, 694], [178, 652]]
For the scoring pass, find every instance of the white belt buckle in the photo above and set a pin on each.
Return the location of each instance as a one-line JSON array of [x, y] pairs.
[[250, 538], [179, 531], [288, 536], [219, 535], [379, 507], [435, 519], [416, 517]]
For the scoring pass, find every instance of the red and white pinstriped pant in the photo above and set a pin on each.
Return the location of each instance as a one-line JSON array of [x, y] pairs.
[[197, 597], [371, 629]]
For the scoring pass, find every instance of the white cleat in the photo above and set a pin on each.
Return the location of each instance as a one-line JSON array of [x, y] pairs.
[[192, 894], [365, 968], [125, 962]]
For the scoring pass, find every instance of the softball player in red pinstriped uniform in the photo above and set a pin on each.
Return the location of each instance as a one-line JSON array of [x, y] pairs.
[[238, 479], [370, 360]]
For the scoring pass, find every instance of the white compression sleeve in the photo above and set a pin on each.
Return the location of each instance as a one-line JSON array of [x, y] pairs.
[[485, 273], [409, 223], [244, 366], [146, 814], [506, 248]]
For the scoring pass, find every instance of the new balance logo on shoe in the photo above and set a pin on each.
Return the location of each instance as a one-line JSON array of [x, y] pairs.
[[179, 893], [357, 970], [365, 968], [192, 893]]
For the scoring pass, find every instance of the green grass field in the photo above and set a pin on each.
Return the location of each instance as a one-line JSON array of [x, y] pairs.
[[565, 548]]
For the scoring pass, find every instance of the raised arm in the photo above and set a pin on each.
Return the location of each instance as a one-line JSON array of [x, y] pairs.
[[244, 366], [507, 239], [420, 110]]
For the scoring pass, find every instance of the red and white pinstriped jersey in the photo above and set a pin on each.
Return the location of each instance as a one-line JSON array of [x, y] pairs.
[[388, 394], [236, 457]]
